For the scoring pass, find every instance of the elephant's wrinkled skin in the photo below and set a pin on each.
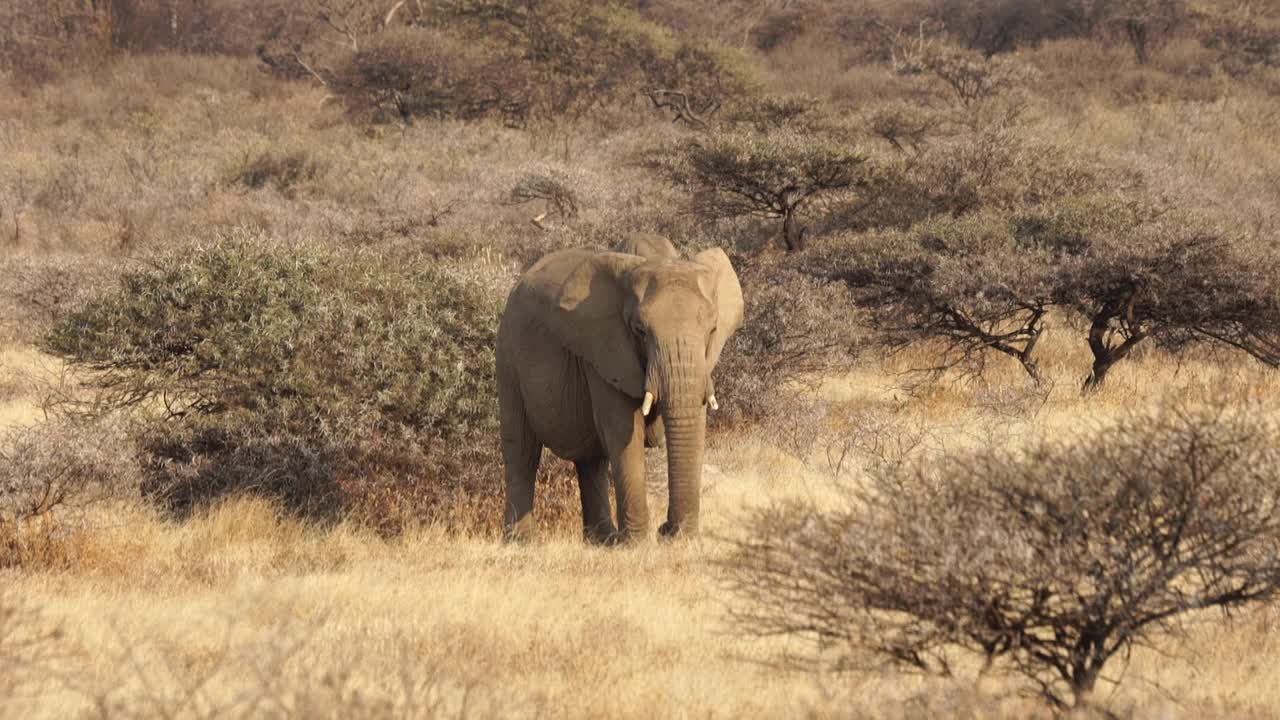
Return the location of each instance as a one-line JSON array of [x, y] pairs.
[[587, 340]]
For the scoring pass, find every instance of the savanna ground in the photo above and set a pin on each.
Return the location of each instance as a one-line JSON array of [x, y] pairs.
[[244, 609]]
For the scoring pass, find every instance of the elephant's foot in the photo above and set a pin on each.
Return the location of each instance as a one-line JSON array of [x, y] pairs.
[[601, 535], [671, 531], [629, 537], [524, 532]]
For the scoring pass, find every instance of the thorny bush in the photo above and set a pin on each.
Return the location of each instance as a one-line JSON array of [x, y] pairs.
[[1085, 549]]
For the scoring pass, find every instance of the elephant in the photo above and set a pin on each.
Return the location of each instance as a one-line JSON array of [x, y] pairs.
[[600, 354], [647, 245]]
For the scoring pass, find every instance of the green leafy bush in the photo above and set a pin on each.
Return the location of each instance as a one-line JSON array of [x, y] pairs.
[[301, 374]]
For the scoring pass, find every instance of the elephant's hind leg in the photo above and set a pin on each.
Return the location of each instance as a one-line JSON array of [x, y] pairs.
[[593, 482], [521, 453]]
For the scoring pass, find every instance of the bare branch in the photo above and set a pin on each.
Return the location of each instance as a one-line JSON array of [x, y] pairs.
[[683, 106]]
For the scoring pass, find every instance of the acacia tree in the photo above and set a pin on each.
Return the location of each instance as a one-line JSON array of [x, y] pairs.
[[1085, 550], [776, 174], [971, 283], [1132, 272], [969, 75], [1147, 24], [1177, 283]]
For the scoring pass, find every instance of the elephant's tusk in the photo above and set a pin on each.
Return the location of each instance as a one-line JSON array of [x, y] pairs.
[[711, 402], [648, 404]]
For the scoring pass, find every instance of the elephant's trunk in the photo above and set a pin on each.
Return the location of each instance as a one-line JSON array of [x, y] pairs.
[[678, 375]]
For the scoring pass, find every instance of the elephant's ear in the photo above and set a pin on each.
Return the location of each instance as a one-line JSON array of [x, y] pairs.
[[581, 294], [728, 297]]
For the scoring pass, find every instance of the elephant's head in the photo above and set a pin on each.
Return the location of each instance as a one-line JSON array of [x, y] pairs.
[[654, 328]]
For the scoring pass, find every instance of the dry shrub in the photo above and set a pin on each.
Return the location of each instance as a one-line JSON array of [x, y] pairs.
[[554, 190], [860, 440], [796, 329], [35, 291], [383, 487], [1131, 271], [1246, 37], [904, 126], [845, 439], [1004, 167], [28, 650], [283, 170], [969, 76], [1000, 26], [425, 73], [51, 475], [41, 38], [232, 27], [1083, 550], [1170, 277], [263, 668], [955, 169], [387, 482], [518, 61], [974, 284], [1147, 25], [765, 113]]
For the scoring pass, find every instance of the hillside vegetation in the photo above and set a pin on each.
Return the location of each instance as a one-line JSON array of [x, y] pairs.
[[1003, 260]]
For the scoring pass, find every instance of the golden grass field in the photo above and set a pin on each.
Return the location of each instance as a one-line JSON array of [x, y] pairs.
[[244, 612]]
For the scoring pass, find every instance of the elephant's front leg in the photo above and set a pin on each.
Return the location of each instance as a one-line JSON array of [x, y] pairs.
[[629, 484], [621, 429]]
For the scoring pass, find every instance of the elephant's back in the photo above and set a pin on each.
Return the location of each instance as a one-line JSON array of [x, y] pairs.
[[549, 277], [650, 246]]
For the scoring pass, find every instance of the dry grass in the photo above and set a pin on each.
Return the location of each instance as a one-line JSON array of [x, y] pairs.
[[17, 406], [243, 611]]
